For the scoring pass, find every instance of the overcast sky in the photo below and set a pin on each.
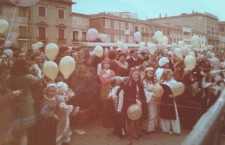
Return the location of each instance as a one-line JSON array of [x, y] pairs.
[[152, 8]]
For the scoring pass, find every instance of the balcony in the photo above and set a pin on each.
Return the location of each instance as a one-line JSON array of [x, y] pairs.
[[42, 39], [61, 40], [2, 37], [23, 38]]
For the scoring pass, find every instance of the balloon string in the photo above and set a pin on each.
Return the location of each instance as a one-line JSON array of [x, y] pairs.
[[182, 106], [14, 14]]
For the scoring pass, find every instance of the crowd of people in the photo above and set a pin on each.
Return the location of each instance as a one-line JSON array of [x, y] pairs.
[[41, 110]]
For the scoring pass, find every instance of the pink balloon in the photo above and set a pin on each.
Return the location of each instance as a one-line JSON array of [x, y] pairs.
[[92, 34], [24, 3], [137, 36]]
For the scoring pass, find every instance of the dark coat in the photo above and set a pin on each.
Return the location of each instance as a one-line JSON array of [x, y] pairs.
[[130, 92], [132, 63], [167, 108]]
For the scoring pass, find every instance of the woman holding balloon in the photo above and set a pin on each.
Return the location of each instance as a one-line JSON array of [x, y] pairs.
[[134, 96]]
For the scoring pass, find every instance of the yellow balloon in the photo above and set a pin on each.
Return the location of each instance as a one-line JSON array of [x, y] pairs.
[[177, 88], [67, 66], [157, 90], [51, 51], [98, 51], [4, 25], [178, 53], [134, 112], [50, 70], [190, 62]]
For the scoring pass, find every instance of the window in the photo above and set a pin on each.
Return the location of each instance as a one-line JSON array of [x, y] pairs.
[[1, 9], [130, 26], [42, 33], [123, 39], [136, 28], [130, 39], [61, 14], [23, 12], [75, 36], [61, 34], [116, 24], [142, 29], [107, 23], [146, 29], [83, 36], [23, 31], [122, 25], [116, 38], [42, 11], [108, 39]]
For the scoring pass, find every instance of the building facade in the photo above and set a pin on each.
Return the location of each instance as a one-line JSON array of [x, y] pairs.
[[116, 28], [206, 24], [80, 26], [47, 21]]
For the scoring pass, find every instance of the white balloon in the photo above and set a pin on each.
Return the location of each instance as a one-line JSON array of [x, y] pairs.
[[24, 3], [120, 44], [35, 46], [181, 44], [195, 40], [92, 34], [178, 53], [50, 70], [8, 43], [98, 51], [190, 62], [51, 51], [137, 36], [151, 47], [158, 36], [142, 44], [165, 41], [177, 88], [67, 66], [8, 52], [4, 25], [103, 37], [39, 44]]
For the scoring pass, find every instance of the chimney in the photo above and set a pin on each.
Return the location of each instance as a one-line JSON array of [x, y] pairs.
[[160, 15], [193, 11], [165, 15]]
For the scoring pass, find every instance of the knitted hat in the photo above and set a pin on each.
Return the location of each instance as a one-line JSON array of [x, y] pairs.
[[163, 61]]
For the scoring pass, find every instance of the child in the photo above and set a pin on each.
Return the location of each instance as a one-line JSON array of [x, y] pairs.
[[63, 129], [48, 123]]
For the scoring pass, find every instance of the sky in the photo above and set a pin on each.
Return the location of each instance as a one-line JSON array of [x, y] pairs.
[[151, 8]]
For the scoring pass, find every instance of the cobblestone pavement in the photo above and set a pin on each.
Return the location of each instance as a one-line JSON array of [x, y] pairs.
[[98, 135]]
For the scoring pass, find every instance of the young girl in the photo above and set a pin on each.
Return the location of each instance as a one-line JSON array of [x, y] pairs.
[[168, 109], [48, 123], [152, 100], [134, 94], [63, 129]]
